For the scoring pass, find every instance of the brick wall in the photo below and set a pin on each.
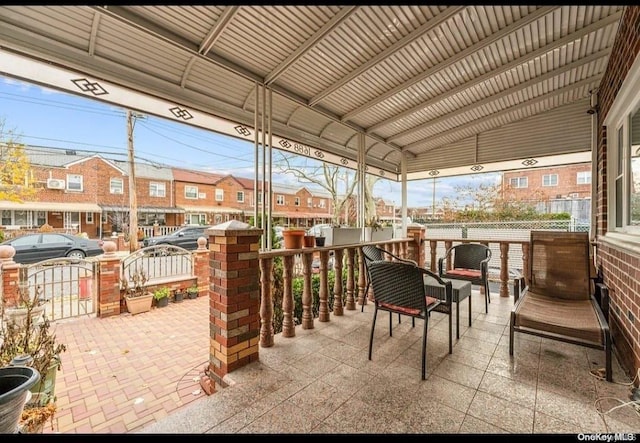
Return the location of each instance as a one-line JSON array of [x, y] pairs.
[[567, 182], [620, 268]]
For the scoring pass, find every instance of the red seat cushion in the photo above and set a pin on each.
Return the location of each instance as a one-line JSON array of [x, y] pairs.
[[408, 311], [470, 273]]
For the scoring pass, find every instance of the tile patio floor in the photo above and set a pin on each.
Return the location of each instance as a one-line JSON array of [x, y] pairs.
[[135, 374]]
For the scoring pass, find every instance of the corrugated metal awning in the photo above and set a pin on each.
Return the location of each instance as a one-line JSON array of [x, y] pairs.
[[51, 207], [153, 209], [301, 215], [218, 209]]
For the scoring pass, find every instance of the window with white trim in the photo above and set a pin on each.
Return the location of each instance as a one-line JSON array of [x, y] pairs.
[[296, 202], [623, 158], [157, 189], [219, 195], [89, 218], [280, 199], [309, 202], [116, 186], [550, 180], [519, 182], [583, 178], [322, 203], [240, 197], [191, 192], [74, 182]]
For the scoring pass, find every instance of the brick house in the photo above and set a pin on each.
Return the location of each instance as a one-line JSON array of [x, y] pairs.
[[569, 181]]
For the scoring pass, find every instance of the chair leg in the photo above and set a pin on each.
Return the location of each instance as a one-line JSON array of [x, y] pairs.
[[390, 324], [486, 299], [424, 347], [511, 324], [607, 356], [373, 326], [451, 327]]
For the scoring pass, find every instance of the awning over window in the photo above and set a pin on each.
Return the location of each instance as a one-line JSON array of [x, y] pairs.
[[214, 209], [51, 207], [148, 209], [301, 214]]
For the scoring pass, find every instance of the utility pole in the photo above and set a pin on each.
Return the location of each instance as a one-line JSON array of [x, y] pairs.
[[133, 200], [433, 200]]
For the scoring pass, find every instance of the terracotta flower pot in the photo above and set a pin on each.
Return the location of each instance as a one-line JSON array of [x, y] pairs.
[[292, 238], [309, 241]]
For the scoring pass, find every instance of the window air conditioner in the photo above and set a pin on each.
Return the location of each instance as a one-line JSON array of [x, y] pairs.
[[55, 183]]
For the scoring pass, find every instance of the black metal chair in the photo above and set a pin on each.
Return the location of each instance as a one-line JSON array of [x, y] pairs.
[[470, 263], [399, 287]]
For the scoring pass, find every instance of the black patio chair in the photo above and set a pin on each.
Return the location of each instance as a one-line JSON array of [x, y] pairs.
[[399, 287], [470, 263]]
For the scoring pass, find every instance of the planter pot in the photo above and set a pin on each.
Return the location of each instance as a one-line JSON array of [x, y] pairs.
[[192, 295], [15, 382], [43, 391], [19, 315], [162, 302], [292, 238], [178, 296], [137, 305], [309, 241], [341, 236], [320, 241], [379, 234]]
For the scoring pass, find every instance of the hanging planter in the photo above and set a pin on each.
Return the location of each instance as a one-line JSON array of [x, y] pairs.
[[292, 238]]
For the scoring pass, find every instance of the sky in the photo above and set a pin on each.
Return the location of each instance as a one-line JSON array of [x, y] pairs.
[[45, 117]]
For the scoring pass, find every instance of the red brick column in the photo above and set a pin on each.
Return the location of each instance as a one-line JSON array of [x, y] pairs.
[[109, 300], [234, 293], [201, 267], [416, 250], [9, 271]]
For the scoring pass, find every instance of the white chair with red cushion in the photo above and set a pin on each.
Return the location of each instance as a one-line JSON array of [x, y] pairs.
[[470, 262]]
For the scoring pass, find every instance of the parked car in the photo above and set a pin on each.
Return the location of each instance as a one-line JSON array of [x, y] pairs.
[[185, 237], [32, 248]]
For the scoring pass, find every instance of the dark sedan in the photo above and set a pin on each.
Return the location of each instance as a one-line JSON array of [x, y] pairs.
[[32, 248], [185, 237]]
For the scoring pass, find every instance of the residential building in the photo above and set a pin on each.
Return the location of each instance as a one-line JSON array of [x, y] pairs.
[[568, 181]]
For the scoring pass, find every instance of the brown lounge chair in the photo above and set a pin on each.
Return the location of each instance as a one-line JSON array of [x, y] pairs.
[[559, 302]]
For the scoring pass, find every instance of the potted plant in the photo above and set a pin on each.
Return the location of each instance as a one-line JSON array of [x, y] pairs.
[[292, 237], [375, 231], [192, 291], [136, 296], [309, 241], [341, 235], [320, 239], [26, 343], [161, 296], [178, 296]]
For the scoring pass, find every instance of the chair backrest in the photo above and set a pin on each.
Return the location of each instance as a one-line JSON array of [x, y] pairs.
[[372, 253], [469, 255], [560, 264], [397, 283]]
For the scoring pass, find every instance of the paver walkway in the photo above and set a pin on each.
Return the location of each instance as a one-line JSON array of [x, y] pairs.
[[122, 373]]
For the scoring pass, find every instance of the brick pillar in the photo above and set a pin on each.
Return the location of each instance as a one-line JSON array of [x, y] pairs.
[[9, 271], [156, 229], [234, 292], [109, 299], [121, 244], [201, 267], [416, 250]]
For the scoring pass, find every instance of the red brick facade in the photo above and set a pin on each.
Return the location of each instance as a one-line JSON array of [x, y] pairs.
[[567, 183], [620, 267]]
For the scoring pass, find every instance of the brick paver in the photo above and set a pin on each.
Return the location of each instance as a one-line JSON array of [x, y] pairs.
[[121, 373]]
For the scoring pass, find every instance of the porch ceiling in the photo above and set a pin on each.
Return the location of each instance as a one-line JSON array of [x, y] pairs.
[[459, 89]]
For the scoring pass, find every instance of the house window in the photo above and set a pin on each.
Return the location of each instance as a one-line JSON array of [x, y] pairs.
[[519, 182], [321, 203], [296, 202], [190, 192], [280, 199], [41, 218], [309, 202], [219, 195], [74, 182], [240, 197], [583, 177], [116, 186], [89, 217], [623, 159], [157, 189], [197, 219], [6, 217], [550, 180]]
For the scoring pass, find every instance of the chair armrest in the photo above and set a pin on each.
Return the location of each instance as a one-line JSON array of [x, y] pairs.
[[441, 266], [602, 297], [518, 286], [448, 286]]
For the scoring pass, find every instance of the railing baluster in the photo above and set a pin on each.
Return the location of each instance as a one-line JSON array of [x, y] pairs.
[[504, 269], [351, 302], [323, 309], [362, 297], [307, 299], [288, 325], [266, 303], [525, 262], [337, 284], [433, 245]]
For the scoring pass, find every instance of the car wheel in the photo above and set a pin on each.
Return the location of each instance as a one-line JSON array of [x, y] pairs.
[[76, 254]]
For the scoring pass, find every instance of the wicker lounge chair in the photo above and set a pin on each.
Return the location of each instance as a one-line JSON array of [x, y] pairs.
[[559, 301], [399, 287]]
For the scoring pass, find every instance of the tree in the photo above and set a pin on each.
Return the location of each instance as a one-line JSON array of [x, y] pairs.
[[16, 175]]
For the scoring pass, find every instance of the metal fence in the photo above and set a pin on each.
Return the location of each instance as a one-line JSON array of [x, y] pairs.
[[161, 263]]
